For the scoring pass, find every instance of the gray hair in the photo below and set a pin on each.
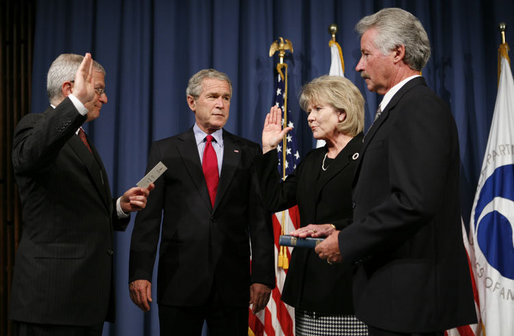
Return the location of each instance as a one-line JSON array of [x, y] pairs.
[[341, 94], [194, 86], [63, 69], [397, 27]]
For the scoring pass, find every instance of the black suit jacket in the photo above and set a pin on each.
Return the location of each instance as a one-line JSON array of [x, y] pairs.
[[63, 266], [322, 197], [413, 275], [201, 246]]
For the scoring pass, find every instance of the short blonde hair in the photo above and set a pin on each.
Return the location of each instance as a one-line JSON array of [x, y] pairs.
[[342, 95]]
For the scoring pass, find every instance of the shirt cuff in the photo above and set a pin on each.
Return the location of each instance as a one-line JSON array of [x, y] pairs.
[[119, 210], [78, 104]]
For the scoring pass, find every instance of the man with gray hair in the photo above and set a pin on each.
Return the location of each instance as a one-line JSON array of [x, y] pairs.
[[210, 209], [412, 274], [63, 283]]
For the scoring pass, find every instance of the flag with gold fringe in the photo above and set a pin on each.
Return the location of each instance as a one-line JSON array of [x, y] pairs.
[[336, 59], [492, 215]]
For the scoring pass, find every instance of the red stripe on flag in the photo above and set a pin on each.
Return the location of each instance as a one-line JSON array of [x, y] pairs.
[[465, 331], [255, 324], [294, 213], [283, 317], [277, 230], [268, 324]]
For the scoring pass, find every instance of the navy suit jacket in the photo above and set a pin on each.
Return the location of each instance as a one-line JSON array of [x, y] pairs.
[[203, 248], [413, 274], [63, 266]]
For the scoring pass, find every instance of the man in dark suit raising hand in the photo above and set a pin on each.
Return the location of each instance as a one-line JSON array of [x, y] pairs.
[[63, 282]]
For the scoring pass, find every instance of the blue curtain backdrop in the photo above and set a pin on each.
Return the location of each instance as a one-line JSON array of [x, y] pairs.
[[151, 48]]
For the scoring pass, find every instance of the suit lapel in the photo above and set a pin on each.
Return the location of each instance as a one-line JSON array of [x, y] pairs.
[[94, 166], [383, 118], [231, 159], [311, 168], [103, 177], [189, 152]]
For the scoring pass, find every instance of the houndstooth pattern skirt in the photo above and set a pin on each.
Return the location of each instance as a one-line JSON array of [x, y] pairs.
[[315, 324]]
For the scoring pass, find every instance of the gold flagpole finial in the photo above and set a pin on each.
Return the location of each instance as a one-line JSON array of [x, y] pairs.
[[332, 30], [281, 47], [503, 50], [503, 27]]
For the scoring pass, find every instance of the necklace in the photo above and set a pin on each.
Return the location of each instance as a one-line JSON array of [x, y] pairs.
[[323, 163]]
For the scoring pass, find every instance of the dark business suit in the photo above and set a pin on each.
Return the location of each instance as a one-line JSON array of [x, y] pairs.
[[203, 249], [322, 197], [63, 267], [406, 237]]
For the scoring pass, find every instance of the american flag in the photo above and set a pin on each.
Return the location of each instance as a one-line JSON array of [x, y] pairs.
[[278, 317]]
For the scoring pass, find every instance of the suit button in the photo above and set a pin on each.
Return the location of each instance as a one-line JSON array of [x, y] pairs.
[[110, 252]]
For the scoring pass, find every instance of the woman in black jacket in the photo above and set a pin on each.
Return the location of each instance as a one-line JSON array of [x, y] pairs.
[[321, 187]]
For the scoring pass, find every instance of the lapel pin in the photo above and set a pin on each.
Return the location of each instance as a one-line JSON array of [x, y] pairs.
[[355, 156], [236, 150]]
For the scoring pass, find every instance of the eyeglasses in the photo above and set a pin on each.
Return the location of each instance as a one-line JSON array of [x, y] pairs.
[[99, 91]]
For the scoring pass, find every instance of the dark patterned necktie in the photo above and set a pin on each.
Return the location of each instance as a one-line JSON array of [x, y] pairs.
[[377, 114], [82, 136], [210, 168]]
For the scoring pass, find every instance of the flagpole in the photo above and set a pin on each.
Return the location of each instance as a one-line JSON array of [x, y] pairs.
[[503, 50], [281, 46], [282, 257]]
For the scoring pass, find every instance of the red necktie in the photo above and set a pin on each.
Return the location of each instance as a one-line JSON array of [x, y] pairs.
[[210, 168], [82, 136]]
